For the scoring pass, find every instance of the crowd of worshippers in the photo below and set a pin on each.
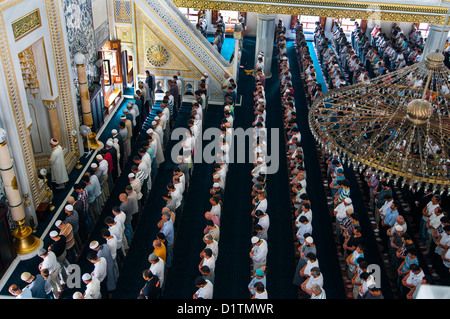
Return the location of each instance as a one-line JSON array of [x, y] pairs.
[[379, 52], [308, 73], [429, 219], [308, 276], [83, 209], [260, 216], [204, 282]]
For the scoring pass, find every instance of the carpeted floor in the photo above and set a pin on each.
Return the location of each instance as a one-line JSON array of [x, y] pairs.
[[323, 234], [322, 231], [227, 47]]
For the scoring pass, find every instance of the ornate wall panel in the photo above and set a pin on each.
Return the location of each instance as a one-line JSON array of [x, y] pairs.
[[31, 21], [157, 52], [81, 35], [325, 8], [122, 11]]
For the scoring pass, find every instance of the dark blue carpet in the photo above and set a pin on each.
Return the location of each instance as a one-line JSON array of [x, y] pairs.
[[322, 229]]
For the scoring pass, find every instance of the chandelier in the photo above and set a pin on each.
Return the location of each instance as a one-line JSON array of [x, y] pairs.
[[397, 124]]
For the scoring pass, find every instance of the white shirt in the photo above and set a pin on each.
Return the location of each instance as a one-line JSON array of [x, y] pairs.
[[260, 251], [100, 269], [93, 290], [50, 262], [216, 210], [112, 243], [116, 230], [210, 262], [214, 246], [103, 166], [205, 292], [262, 295], [158, 270], [262, 205], [264, 222], [415, 279]]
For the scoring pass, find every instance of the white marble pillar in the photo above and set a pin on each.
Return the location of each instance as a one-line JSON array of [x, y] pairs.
[[265, 37], [435, 40], [24, 242]]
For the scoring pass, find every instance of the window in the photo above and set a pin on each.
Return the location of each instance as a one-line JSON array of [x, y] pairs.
[[191, 14], [309, 22], [424, 29], [348, 25], [229, 17]]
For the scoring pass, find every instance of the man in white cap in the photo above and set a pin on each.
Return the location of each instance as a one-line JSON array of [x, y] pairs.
[[115, 135], [258, 253], [136, 185], [99, 173], [340, 213], [123, 132], [100, 271], [58, 247], [51, 264], [73, 219], [260, 168], [78, 295], [92, 287], [36, 284], [159, 150], [112, 150], [103, 250], [58, 165]]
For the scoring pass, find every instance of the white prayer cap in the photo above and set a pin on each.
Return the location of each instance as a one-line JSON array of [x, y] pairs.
[[205, 74], [149, 131], [69, 208], [123, 117], [260, 159], [109, 143], [216, 176], [398, 228], [130, 103], [216, 185], [348, 200], [131, 175], [309, 240], [154, 123], [93, 244], [25, 276], [156, 118], [261, 100], [202, 78], [93, 165], [113, 131], [125, 111], [54, 234], [86, 276], [58, 222], [54, 141], [227, 107], [77, 295], [99, 157], [255, 240]]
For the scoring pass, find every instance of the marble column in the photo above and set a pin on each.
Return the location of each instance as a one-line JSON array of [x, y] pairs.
[[435, 39], [265, 37], [24, 241], [53, 117], [79, 60]]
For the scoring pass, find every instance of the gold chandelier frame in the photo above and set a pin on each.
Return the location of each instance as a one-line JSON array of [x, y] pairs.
[[397, 124]]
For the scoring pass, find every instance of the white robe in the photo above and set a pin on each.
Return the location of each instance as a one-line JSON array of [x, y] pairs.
[[58, 166], [159, 152]]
